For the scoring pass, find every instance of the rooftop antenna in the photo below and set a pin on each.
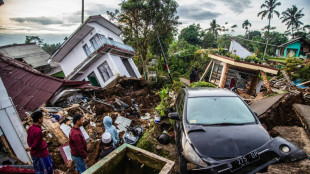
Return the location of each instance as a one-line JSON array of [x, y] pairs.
[[82, 11]]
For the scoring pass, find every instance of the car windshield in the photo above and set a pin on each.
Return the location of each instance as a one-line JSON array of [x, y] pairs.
[[218, 110]]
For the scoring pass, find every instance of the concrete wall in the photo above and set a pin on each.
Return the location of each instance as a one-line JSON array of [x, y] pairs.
[[295, 46], [12, 127], [77, 54], [240, 50]]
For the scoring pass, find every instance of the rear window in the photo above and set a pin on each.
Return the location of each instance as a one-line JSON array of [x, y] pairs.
[[218, 110]]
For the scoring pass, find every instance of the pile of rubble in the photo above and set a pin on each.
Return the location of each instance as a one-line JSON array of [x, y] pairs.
[[129, 101]]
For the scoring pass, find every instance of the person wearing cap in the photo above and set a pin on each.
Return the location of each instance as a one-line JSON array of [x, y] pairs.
[[107, 144], [78, 145], [107, 121], [42, 162]]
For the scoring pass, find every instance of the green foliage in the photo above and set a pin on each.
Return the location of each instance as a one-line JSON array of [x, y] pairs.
[[191, 34], [253, 59], [224, 41], [51, 48], [36, 39], [209, 41], [177, 86], [201, 84], [144, 142], [304, 73], [162, 107], [236, 57], [291, 64], [141, 20]]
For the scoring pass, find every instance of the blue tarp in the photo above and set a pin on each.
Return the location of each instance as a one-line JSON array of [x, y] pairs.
[[297, 82]]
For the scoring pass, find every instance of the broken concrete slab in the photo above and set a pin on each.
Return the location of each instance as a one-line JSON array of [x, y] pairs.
[[303, 112], [130, 159], [261, 106], [298, 136]]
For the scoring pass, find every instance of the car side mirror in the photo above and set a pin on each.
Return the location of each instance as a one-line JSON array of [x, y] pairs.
[[174, 116]]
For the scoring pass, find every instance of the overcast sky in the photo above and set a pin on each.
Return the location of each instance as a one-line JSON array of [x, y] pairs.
[[52, 20]]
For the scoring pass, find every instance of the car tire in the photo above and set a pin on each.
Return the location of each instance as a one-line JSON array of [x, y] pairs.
[[182, 164]]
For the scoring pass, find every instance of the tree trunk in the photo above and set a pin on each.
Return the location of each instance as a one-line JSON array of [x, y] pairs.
[[292, 33]]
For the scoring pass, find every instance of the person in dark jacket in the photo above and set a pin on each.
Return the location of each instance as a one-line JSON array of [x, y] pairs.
[[107, 144], [42, 161], [78, 145]]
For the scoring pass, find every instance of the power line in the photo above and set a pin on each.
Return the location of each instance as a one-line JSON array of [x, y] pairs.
[[257, 42]]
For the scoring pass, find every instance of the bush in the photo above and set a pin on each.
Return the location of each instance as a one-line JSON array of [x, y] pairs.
[[304, 73], [201, 84]]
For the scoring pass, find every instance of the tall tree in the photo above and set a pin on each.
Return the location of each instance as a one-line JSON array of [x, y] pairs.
[[214, 28], [270, 6], [246, 25], [141, 20], [292, 18], [191, 34], [36, 39]]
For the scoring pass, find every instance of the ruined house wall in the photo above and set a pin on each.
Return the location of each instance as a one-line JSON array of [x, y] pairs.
[[12, 127]]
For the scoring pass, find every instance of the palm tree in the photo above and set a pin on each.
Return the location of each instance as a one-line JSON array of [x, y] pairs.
[[214, 28], [270, 6], [292, 16], [246, 25]]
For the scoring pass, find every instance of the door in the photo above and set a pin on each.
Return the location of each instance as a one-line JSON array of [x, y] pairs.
[[93, 79], [128, 67]]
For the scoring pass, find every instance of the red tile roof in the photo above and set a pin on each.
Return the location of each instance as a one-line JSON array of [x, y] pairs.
[[27, 87]]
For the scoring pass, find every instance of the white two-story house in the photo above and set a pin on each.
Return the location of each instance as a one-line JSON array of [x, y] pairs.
[[96, 53]]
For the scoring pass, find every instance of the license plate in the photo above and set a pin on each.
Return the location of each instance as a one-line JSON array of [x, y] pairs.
[[244, 160]]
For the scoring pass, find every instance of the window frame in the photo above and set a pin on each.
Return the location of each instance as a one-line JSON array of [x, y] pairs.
[[101, 73]]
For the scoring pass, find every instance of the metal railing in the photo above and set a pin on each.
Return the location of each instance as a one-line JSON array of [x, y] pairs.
[[103, 41]]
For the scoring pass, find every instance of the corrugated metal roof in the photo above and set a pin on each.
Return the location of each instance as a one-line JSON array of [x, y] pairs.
[[27, 87], [30, 53]]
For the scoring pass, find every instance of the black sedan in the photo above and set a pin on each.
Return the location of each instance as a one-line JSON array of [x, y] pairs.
[[216, 130]]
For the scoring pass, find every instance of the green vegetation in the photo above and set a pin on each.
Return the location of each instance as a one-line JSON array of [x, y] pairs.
[[277, 59]]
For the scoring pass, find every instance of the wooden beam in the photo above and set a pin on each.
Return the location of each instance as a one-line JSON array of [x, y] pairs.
[[206, 71], [223, 76], [303, 83], [266, 81], [247, 65], [254, 81], [54, 128], [287, 77]]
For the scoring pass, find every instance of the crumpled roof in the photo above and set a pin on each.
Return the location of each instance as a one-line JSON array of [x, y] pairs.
[[27, 87], [30, 53]]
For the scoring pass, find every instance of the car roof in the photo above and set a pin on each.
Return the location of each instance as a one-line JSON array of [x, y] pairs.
[[208, 92]]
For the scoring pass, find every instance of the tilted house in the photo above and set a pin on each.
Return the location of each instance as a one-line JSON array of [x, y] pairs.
[[96, 53]]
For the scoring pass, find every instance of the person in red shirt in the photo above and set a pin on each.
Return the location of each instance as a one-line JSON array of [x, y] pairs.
[[42, 162], [78, 145]]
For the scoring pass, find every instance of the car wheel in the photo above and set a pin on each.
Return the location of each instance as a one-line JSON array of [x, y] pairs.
[[182, 165]]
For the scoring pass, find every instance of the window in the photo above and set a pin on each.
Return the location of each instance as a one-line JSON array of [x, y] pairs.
[[218, 110], [86, 50], [96, 41], [128, 67], [105, 71], [93, 79]]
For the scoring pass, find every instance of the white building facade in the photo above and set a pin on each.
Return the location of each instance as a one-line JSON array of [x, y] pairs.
[[96, 53]]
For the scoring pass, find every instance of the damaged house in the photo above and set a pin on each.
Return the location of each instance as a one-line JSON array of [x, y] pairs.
[[96, 53], [23, 90], [30, 53], [245, 74], [297, 47]]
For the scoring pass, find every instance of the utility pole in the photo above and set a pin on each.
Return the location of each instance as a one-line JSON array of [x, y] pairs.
[[164, 58], [82, 11]]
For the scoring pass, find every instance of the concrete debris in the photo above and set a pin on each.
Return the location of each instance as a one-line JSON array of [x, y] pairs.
[[133, 97]]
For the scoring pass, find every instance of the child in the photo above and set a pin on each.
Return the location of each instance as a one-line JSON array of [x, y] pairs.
[[107, 121], [107, 144]]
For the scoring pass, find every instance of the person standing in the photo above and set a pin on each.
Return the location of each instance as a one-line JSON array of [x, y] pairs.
[[78, 145], [107, 121], [42, 162], [107, 144]]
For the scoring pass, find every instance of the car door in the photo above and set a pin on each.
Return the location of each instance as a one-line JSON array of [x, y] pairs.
[[179, 108]]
